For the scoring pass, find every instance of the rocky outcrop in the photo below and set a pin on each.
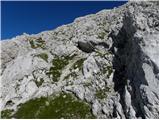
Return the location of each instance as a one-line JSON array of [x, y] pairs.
[[85, 46], [108, 60]]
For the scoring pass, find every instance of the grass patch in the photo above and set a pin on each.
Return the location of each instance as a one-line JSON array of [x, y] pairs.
[[37, 43], [102, 54], [79, 64], [32, 44], [87, 84], [6, 114], [108, 70], [58, 64], [101, 35], [40, 82], [102, 93], [63, 106], [44, 56], [72, 74]]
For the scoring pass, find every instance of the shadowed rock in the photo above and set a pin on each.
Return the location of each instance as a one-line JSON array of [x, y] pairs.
[[86, 46]]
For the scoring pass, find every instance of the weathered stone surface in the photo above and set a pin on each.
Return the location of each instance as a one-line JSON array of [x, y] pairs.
[[108, 59]]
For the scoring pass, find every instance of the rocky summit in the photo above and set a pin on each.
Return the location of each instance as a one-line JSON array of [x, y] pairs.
[[103, 65]]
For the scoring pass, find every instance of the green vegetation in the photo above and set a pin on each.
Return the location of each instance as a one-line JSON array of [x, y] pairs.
[[87, 84], [108, 70], [102, 54], [78, 63], [58, 64], [69, 83], [54, 107], [72, 74], [32, 44], [102, 93], [37, 43], [44, 56], [101, 35], [67, 77], [39, 83], [6, 114]]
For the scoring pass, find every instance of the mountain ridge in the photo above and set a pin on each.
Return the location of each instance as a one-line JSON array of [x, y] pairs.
[[106, 62]]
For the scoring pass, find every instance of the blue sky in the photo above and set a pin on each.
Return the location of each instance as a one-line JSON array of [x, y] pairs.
[[31, 17]]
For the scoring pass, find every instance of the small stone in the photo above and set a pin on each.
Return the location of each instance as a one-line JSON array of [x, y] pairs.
[[96, 107]]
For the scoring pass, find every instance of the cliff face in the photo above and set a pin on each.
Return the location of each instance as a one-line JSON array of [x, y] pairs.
[[103, 65]]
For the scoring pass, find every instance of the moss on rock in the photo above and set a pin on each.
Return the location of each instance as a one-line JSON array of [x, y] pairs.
[[44, 56], [102, 93]]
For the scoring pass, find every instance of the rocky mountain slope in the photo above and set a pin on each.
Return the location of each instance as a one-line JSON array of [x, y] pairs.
[[103, 65]]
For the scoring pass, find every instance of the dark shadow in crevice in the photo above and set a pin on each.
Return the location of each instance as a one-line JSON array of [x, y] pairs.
[[121, 77]]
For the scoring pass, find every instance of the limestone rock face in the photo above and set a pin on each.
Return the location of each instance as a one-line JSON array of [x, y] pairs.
[[108, 59]]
